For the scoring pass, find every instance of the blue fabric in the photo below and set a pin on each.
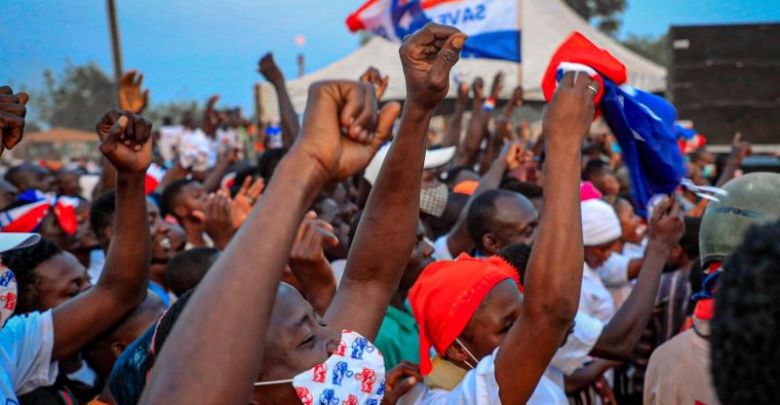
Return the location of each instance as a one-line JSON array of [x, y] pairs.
[[128, 377], [160, 292], [649, 146]]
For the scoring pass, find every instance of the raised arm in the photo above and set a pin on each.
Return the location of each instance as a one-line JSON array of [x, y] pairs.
[[455, 127], [309, 264], [127, 145], [551, 297], [12, 112], [272, 73], [386, 234], [469, 148], [623, 331], [234, 301]]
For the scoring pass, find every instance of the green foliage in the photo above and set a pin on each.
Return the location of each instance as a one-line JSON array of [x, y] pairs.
[[605, 14], [649, 47], [76, 98]]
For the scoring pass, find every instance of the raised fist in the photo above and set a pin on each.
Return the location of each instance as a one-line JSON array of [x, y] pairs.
[[268, 68], [12, 113], [570, 112], [666, 223], [498, 84], [131, 98], [341, 129], [125, 140], [427, 57], [373, 76]]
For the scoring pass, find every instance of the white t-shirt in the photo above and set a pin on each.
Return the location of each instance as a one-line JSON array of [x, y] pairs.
[[614, 274], [595, 299], [440, 249], [26, 344], [479, 387], [573, 354]]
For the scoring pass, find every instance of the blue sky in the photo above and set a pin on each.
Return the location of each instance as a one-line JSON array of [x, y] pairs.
[[189, 49]]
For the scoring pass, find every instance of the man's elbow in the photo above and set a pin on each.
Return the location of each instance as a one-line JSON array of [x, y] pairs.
[[554, 314]]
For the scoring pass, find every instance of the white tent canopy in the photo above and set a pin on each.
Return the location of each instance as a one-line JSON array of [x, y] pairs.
[[546, 23]]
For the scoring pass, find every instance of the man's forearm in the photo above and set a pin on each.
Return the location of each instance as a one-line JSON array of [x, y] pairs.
[[452, 136], [128, 257], [246, 275], [396, 191], [290, 125], [624, 330]]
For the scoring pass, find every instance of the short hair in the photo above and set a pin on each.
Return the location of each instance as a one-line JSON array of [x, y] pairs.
[[171, 194], [481, 211], [528, 190], [101, 214], [594, 168], [746, 326], [690, 240], [517, 255], [186, 269], [14, 174], [23, 263]]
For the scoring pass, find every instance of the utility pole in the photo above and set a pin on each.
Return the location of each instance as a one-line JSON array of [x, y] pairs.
[[116, 47]]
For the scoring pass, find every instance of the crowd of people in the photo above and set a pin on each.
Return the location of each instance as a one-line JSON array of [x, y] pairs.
[[352, 257]]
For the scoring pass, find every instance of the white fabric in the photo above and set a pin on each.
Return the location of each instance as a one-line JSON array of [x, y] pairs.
[[600, 223], [353, 374], [595, 299], [634, 251], [614, 274], [573, 354], [14, 240], [197, 151], [26, 344], [479, 387], [433, 158], [97, 261], [170, 138], [440, 249]]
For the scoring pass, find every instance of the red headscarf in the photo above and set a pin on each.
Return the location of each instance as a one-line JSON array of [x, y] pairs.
[[447, 294]]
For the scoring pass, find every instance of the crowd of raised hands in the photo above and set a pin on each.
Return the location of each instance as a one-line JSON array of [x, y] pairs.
[[285, 269]]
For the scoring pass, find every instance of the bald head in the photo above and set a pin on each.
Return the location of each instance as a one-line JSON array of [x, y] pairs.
[[498, 218]]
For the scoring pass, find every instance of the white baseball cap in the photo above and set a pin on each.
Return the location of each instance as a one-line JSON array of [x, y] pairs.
[[13, 240], [433, 158]]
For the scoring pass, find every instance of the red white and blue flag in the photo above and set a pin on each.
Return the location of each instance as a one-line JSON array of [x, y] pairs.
[[642, 123], [493, 26]]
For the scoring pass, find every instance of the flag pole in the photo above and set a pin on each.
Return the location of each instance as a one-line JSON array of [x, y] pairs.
[[116, 47], [520, 41]]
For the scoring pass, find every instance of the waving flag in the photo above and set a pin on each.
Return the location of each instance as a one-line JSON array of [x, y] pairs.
[[642, 123], [493, 26]]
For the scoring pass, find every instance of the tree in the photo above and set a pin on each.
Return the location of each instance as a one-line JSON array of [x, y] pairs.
[[649, 47], [174, 110], [76, 98], [604, 13]]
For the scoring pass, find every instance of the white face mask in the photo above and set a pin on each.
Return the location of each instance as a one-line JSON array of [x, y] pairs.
[[457, 340], [7, 294], [353, 375]]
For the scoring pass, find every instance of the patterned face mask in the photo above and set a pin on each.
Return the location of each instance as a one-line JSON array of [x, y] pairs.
[[353, 375], [7, 294]]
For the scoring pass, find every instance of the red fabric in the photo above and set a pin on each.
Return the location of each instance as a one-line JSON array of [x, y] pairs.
[[578, 49], [447, 294]]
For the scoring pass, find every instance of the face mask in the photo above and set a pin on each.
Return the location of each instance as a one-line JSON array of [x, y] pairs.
[[457, 340], [708, 171], [353, 375], [7, 294]]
